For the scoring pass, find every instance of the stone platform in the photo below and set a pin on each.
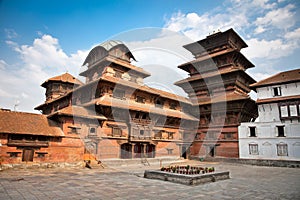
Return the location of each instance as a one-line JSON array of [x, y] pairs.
[[185, 178]]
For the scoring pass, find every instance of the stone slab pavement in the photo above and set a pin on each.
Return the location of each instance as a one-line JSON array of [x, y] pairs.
[[127, 182]]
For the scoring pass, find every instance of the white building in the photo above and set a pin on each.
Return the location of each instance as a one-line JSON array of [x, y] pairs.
[[276, 135]]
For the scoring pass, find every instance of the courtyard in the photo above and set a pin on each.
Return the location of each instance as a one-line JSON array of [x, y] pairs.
[[127, 182]]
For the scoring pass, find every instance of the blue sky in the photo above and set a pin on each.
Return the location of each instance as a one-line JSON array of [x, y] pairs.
[[40, 39]]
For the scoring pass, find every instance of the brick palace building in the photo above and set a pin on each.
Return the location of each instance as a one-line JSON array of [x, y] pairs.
[[115, 115]]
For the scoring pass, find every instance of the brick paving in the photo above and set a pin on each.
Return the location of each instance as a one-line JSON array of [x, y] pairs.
[[247, 182]]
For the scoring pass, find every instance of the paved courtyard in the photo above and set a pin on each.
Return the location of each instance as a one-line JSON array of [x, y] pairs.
[[247, 182]]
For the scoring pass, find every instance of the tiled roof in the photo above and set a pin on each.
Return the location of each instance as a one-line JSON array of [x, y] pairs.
[[278, 99], [40, 107], [132, 105], [28, 123], [110, 44], [103, 49], [78, 111], [215, 74], [65, 78], [151, 90], [229, 52], [233, 96], [144, 88], [117, 61], [280, 78]]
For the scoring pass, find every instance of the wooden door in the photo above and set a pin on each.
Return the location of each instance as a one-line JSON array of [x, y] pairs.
[[27, 155], [137, 150], [126, 151]]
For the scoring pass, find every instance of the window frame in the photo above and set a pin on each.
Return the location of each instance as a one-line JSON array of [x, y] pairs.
[[277, 91], [92, 133], [252, 128], [118, 74], [116, 129], [173, 106], [280, 131], [140, 99], [116, 93], [282, 149], [253, 149]]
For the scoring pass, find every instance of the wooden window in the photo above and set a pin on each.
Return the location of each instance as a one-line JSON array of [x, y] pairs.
[[55, 86], [13, 154], [133, 78], [277, 91], [170, 135], [159, 103], [228, 135], [253, 149], [120, 94], [116, 131], [282, 150], [118, 74], [158, 134], [170, 151], [252, 131], [284, 111], [140, 99], [93, 131], [293, 110], [211, 135], [74, 130], [280, 131], [41, 154], [173, 106], [142, 132]]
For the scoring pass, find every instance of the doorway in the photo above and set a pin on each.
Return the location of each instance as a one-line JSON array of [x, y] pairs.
[[138, 150], [126, 151], [212, 151], [150, 150], [27, 155], [183, 152]]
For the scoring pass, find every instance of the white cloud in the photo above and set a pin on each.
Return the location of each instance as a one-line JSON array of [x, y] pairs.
[[271, 49], [198, 26], [268, 27], [293, 34], [281, 18], [41, 60], [3, 64], [160, 56]]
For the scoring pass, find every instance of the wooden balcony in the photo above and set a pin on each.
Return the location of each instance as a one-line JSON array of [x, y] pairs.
[[141, 121], [28, 143], [140, 138]]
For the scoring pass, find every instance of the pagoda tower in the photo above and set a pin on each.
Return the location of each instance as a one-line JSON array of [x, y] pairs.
[[218, 86]]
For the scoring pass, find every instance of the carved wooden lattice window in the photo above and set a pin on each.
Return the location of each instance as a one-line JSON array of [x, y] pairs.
[[140, 99], [116, 131], [120, 94], [173, 106], [93, 131], [118, 74]]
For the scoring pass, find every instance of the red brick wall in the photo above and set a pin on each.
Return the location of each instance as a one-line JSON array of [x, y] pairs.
[[68, 149]]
